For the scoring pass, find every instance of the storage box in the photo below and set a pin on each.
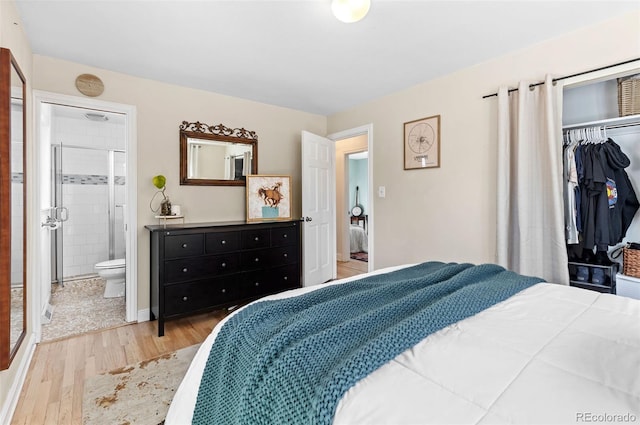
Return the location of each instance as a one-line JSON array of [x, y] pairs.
[[628, 286]]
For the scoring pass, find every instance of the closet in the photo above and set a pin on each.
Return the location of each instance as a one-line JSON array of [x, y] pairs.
[[591, 117]]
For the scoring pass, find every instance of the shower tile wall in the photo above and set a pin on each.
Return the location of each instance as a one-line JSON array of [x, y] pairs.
[[85, 192]]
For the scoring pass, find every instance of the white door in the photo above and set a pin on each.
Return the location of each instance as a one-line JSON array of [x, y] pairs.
[[318, 209]]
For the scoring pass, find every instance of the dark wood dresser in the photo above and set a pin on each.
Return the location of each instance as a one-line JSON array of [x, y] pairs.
[[197, 267]]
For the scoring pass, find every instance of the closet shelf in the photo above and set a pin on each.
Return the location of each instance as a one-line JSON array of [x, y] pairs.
[[629, 119]]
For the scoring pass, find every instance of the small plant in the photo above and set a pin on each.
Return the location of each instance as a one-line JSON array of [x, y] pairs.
[[160, 182]]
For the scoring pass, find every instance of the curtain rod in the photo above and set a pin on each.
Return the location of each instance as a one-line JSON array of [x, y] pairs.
[[531, 86]]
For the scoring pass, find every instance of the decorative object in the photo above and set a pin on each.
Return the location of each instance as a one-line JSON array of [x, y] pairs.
[[89, 85], [422, 143], [216, 155], [14, 205], [164, 209], [138, 393], [349, 11], [268, 197]]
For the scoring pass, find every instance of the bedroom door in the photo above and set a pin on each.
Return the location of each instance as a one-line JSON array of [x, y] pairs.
[[318, 209]]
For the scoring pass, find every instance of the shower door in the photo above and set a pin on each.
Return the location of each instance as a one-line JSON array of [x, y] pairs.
[[86, 190]]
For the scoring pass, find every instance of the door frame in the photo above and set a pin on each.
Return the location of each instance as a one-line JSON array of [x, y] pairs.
[[366, 130], [41, 166]]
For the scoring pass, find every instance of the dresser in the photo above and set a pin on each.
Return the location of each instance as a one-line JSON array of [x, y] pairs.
[[197, 267]]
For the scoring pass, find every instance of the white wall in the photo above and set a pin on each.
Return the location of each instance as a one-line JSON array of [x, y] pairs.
[[448, 213]]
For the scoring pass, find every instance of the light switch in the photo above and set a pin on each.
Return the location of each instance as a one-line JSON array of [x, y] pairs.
[[381, 191]]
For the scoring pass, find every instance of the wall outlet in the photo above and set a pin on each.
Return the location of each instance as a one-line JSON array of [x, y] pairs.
[[382, 192]]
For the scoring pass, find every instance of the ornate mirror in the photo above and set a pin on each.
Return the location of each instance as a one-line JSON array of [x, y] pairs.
[[216, 155], [13, 315]]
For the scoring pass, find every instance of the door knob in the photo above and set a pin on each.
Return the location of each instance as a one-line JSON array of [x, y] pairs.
[[308, 219]]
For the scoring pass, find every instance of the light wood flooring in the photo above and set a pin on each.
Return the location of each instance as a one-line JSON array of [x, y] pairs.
[[53, 389]]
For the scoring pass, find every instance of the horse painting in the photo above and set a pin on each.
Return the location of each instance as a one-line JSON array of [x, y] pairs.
[[271, 196]]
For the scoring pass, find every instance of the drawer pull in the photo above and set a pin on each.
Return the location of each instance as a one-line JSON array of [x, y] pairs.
[[185, 298], [285, 255], [223, 242], [184, 245], [285, 236], [256, 238], [257, 283], [185, 270], [257, 259], [223, 265], [286, 278], [223, 290]]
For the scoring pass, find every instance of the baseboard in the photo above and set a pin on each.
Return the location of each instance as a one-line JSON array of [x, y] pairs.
[[144, 315], [11, 402]]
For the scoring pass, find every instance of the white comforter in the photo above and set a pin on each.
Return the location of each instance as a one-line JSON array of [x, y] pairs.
[[549, 354]]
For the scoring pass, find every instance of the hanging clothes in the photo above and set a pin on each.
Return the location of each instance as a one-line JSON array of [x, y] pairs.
[[604, 199]]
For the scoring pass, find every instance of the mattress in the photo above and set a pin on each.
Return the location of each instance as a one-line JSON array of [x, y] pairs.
[[358, 239], [549, 354]]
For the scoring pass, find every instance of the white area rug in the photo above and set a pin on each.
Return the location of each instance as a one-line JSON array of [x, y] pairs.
[[137, 394]]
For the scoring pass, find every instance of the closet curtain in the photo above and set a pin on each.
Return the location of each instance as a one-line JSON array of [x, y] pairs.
[[530, 216]]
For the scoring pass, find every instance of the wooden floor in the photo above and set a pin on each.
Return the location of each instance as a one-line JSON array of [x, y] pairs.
[[52, 392]]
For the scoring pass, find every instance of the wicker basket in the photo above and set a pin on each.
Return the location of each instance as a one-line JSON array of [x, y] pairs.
[[629, 95], [631, 262]]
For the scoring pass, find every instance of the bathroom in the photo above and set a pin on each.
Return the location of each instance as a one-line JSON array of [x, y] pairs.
[[86, 222]]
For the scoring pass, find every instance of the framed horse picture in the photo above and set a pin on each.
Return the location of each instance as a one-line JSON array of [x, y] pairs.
[[268, 197]]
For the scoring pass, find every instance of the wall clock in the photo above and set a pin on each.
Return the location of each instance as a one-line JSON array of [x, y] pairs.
[[89, 85]]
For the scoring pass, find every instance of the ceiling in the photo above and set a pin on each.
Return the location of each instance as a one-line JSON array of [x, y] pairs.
[[294, 53]]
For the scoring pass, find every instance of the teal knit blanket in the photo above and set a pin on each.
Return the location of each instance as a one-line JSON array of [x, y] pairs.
[[290, 361]]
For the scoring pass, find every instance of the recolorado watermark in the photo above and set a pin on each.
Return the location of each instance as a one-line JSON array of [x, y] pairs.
[[606, 417]]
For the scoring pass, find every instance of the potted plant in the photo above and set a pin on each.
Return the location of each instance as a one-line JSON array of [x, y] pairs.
[[160, 181]]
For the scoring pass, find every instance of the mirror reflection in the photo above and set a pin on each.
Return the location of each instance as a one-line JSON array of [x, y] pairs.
[[210, 159], [216, 155], [17, 211]]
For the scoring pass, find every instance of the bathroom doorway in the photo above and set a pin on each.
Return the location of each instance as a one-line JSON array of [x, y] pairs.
[[87, 199]]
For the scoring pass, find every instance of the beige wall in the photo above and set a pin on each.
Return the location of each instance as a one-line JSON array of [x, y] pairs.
[[161, 108], [448, 213], [12, 37]]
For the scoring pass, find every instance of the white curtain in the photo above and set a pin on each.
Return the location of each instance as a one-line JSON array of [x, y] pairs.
[[531, 238]]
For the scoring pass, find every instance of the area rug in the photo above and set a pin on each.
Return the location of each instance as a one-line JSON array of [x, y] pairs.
[[361, 256], [137, 394]]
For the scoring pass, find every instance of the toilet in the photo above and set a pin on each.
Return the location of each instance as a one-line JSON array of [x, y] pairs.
[[113, 271]]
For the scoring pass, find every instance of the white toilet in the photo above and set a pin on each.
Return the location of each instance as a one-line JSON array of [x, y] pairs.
[[113, 271]]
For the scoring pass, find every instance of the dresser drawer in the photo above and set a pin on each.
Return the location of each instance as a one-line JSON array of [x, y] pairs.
[[281, 236], [184, 269], [283, 278], [256, 238], [270, 281], [192, 296], [183, 245], [256, 259], [216, 242], [284, 255]]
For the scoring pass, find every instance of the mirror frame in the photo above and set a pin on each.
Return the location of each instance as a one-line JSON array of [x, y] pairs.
[[8, 64], [221, 133]]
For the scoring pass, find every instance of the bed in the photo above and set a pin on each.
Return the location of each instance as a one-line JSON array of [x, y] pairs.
[[546, 353], [358, 240]]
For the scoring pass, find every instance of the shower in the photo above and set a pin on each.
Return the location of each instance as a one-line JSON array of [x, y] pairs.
[[88, 191]]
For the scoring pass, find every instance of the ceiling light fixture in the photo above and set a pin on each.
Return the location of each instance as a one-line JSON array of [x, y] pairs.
[[350, 11]]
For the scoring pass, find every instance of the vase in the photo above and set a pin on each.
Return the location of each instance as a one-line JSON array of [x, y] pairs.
[[165, 207]]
